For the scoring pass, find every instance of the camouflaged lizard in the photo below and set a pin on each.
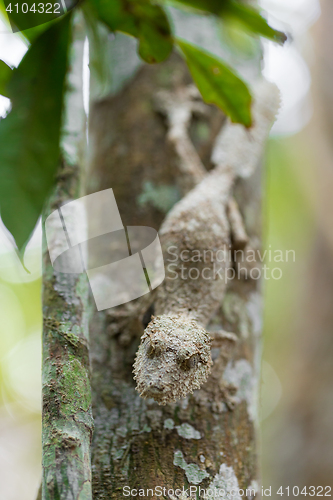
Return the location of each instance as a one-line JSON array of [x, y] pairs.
[[174, 356]]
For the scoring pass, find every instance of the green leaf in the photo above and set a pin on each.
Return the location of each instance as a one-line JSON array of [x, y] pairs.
[[252, 20], [249, 17], [5, 74], [141, 19], [218, 84], [28, 14], [30, 134], [155, 40]]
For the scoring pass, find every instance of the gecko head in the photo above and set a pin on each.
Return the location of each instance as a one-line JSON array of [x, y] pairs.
[[173, 358]]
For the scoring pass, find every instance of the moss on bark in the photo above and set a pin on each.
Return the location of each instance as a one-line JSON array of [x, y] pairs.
[[67, 423]]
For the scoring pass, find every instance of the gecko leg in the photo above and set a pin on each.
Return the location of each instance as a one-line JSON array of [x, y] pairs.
[[243, 248], [179, 107], [227, 343], [239, 237]]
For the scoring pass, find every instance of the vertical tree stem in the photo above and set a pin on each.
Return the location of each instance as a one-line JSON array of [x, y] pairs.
[[67, 422]]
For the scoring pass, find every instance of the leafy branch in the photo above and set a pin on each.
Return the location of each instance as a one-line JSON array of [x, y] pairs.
[[30, 134]]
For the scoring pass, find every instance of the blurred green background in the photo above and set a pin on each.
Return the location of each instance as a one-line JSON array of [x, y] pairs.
[[20, 381]]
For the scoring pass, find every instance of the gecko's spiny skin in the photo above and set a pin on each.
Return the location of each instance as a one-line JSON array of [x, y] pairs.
[[173, 358], [198, 221]]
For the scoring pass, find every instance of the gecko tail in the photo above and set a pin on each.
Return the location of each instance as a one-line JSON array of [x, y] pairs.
[[267, 100], [239, 148]]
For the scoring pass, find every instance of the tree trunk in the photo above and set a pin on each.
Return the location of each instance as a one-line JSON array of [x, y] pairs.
[[192, 442], [67, 422], [208, 439], [67, 413]]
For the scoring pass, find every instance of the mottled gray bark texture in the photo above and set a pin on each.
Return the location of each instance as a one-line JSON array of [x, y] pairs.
[[208, 439], [198, 440], [67, 410], [67, 422]]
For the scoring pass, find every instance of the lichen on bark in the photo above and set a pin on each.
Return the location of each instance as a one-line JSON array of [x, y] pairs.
[[135, 441], [203, 439], [67, 410], [67, 422]]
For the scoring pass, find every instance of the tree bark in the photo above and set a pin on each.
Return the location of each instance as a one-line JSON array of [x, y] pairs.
[[67, 422], [195, 441], [200, 441], [67, 411]]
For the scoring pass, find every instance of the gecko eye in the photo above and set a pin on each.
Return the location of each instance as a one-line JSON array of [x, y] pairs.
[[188, 363], [154, 349]]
